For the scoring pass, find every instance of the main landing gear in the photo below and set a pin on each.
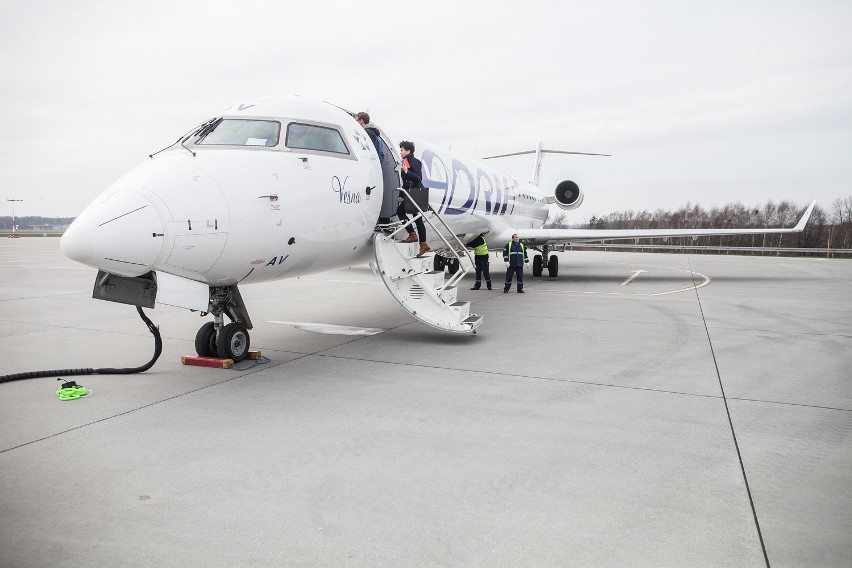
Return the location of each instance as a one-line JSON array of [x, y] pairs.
[[451, 264], [544, 259], [226, 341]]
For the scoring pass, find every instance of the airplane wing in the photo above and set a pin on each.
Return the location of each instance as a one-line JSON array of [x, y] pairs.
[[549, 236]]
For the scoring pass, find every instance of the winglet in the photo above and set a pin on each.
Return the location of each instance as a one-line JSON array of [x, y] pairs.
[[800, 226]]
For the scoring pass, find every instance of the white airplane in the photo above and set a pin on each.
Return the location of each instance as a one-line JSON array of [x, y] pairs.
[[281, 187]]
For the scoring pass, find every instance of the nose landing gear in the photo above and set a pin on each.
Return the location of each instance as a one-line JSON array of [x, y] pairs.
[[215, 338]]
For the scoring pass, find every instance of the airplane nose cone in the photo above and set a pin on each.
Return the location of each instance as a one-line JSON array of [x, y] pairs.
[[76, 242], [121, 234]]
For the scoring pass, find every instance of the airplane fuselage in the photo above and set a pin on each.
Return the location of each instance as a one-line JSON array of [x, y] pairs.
[[289, 187]]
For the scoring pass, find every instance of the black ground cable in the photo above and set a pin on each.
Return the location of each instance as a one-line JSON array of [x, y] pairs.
[[158, 349]]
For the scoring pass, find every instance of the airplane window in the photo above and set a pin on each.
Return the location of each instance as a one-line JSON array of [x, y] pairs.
[[311, 137], [239, 132]]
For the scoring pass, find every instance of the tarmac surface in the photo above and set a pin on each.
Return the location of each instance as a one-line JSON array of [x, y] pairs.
[[698, 414]]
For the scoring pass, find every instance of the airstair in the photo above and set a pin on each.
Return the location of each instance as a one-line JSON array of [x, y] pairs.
[[423, 292]]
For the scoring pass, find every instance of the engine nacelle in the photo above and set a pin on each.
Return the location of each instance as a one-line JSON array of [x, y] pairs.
[[568, 195]]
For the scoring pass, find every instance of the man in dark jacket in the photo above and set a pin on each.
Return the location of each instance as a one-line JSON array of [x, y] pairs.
[[412, 178], [364, 120], [515, 257]]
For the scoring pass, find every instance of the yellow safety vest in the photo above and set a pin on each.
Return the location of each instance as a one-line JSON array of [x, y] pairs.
[[481, 250]]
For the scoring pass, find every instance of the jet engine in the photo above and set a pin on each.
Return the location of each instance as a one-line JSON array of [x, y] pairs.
[[568, 195]]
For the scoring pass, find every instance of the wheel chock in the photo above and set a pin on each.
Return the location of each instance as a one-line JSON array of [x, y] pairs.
[[253, 355], [214, 362]]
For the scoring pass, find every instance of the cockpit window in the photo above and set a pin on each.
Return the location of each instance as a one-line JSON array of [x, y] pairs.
[[239, 132], [311, 137]]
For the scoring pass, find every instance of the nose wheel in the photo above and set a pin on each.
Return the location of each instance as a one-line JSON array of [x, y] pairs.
[[205, 340], [231, 342]]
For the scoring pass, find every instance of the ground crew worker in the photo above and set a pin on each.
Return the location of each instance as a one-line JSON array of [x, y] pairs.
[[515, 257], [480, 261]]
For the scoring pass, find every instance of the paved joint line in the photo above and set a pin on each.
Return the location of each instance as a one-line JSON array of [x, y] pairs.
[[730, 422], [515, 375], [799, 404]]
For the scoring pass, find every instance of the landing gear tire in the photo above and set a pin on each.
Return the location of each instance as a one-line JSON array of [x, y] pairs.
[[233, 342], [439, 263], [453, 265], [537, 265], [553, 266], [205, 341]]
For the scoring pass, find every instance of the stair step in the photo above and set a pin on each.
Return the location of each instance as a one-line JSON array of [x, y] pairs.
[[474, 319], [461, 308], [423, 263], [433, 278], [410, 249], [449, 294]]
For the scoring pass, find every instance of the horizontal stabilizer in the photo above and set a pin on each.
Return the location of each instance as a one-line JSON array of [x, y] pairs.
[[539, 154], [544, 152]]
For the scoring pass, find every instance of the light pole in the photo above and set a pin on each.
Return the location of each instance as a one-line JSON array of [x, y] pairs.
[[14, 234]]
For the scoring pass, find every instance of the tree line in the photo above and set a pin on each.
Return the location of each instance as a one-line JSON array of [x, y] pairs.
[[834, 223]]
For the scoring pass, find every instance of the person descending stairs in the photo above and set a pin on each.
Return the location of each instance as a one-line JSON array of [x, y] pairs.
[[411, 171]]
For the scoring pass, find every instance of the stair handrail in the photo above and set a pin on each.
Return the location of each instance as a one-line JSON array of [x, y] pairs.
[[457, 276]]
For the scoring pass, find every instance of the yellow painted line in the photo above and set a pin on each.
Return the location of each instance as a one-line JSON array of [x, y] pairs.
[[635, 274]]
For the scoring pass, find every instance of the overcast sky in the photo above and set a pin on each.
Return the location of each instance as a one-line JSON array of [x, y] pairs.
[[703, 102]]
